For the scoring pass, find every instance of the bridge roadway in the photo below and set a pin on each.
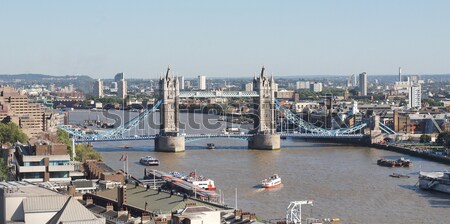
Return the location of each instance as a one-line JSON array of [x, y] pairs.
[[217, 94], [194, 137]]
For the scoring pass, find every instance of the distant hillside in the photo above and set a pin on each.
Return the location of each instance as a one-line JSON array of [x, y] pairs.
[[25, 76], [83, 82]]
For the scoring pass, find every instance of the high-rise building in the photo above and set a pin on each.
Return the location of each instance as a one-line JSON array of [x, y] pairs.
[[202, 82], [182, 83], [118, 77], [188, 84], [71, 88], [354, 80], [415, 96], [29, 116], [316, 86], [52, 88], [399, 74], [302, 85], [98, 88], [113, 88], [363, 84], [414, 79], [122, 89], [249, 87]]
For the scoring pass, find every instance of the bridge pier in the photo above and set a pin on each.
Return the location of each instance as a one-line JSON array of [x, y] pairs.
[[264, 142], [170, 144]]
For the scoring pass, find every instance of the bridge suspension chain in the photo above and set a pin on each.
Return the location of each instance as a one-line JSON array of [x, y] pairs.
[[295, 119], [116, 131]]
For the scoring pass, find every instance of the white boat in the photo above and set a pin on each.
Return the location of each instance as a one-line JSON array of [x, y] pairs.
[[438, 181], [200, 181], [149, 161], [196, 180], [273, 181]]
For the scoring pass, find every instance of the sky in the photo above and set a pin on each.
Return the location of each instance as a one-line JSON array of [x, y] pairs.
[[224, 38]]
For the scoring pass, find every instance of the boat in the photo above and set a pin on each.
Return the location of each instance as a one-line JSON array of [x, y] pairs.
[[438, 181], [201, 181], [211, 146], [402, 162], [149, 161], [271, 182], [197, 180], [397, 175]]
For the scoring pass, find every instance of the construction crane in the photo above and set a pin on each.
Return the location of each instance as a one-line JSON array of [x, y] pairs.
[[294, 211]]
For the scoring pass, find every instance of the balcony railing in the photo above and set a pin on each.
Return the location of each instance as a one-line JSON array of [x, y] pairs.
[[61, 168], [28, 169]]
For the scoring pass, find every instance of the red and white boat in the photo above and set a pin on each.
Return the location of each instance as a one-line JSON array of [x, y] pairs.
[[201, 182], [271, 182]]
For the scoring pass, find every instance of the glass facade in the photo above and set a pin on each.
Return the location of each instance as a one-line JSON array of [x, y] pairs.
[[62, 174], [59, 163], [34, 175], [41, 163]]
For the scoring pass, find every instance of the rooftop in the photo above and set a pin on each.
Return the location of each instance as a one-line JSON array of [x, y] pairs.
[[74, 212], [50, 203], [24, 189], [156, 202]]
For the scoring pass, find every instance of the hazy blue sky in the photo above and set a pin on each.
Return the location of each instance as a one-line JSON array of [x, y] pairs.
[[226, 38]]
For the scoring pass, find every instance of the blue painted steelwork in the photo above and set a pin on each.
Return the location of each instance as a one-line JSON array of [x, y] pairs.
[[115, 133], [133, 122], [310, 128], [118, 134], [387, 129], [243, 137], [218, 94]]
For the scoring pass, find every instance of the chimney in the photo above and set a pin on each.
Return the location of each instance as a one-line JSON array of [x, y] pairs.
[[237, 214], [109, 207], [145, 217], [122, 212], [121, 196], [71, 190], [89, 201]]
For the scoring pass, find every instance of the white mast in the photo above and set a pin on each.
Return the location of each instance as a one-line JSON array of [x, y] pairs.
[[294, 211], [235, 199]]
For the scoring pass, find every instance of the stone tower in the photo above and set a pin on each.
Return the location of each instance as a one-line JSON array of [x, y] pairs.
[[169, 90], [168, 139], [264, 124]]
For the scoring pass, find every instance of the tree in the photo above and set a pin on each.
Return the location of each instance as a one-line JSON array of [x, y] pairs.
[[11, 133], [83, 151], [86, 152], [354, 91], [306, 93], [425, 138], [63, 137], [432, 102], [444, 139], [4, 172]]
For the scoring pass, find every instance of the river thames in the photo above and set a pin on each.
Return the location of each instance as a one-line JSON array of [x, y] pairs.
[[342, 180]]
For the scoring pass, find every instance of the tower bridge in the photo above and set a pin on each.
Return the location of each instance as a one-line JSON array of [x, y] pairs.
[[263, 136]]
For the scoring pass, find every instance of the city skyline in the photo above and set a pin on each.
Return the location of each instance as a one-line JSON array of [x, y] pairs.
[[220, 39]]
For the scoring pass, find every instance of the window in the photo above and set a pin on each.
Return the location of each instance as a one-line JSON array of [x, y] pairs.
[[63, 174]]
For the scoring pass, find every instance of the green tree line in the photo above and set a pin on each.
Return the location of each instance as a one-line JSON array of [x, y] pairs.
[[444, 139], [9, 133], [83, 151]]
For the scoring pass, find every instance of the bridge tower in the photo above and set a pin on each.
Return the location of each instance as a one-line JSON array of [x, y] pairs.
[[265, 136], [169, 139]]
